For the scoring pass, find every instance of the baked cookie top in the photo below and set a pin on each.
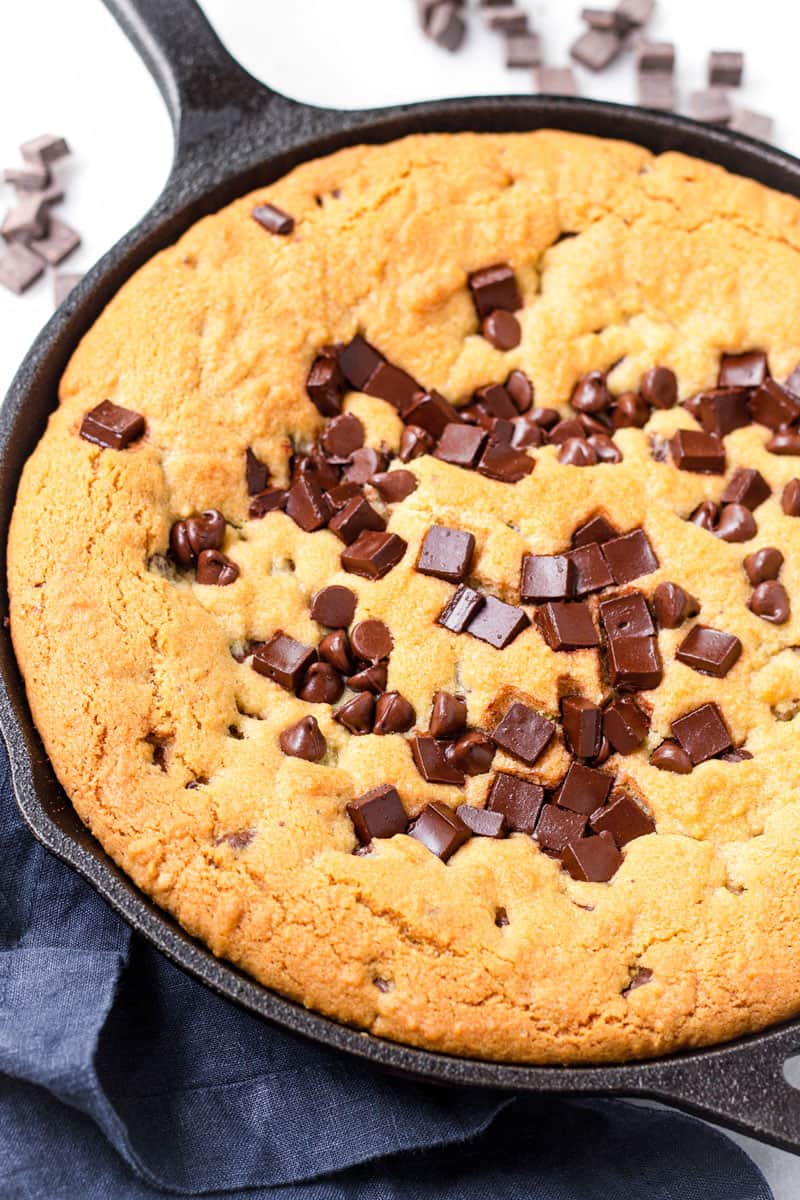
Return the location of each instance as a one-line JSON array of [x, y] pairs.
[[406, 592]]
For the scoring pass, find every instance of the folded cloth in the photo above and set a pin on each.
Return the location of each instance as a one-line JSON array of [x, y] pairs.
[[120, 1077]]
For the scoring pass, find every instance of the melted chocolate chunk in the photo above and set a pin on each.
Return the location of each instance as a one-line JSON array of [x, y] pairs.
[[215, 568], [763, 564], [625, 725], [630, 556], [584, 789], [670, 757], [494, 287], [659, 387], [770, 601], [472, 754], [448, 715], [634, 664], [111, 426], [440, 829], [393, 714], [415, 442], [371, 640], [321, 685], [379, 813], [446, 553], [518, 800], [334, 606], [748, 487], [699, 452], [583, 726], [557, 827], [372, 555], [273, 219], [429, 759], [342, 436], [626, 616], [303, 740], [394, 486], [461, 609], [256, 473], [546, 577], [284, 660], [747, 370], [356, 715], [481, 822], [501, 461], [354, 518], [709, 651], [272, 500], [461, 445], [623, 819], [523, 733], [501, 329], [591, 570], [325, 385], [567, 625], [592, 859], [702, 733], [497, 623], [307, 505]]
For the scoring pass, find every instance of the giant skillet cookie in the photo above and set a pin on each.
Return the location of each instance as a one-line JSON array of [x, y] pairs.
[[407, 590]]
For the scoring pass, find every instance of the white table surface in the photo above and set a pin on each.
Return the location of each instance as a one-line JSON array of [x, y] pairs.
[[68, 70]]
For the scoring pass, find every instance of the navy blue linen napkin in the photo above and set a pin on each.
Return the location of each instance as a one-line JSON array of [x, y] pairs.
[[122, 1078]]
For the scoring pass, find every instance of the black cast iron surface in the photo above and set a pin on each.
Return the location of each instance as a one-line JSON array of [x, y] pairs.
[[233, 134]]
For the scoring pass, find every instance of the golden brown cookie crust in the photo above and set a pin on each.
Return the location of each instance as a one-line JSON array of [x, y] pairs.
[[671, 261]]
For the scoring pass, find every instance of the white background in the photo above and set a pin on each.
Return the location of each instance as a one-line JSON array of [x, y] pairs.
[[68, 70]]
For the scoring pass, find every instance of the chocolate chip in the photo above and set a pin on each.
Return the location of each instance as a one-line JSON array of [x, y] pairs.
[[216, 569], [625, 725], [584, 789], [591, 394], [335, 649], [472, 754], [773, 406], [429, 758], [785, 441], [546, 577], [357, 516], [592, 572], [790, 498], [722, 410], [372, 555], [706, 516], [333, 606], [520, 389], [736, 756], [748, 487], [501, 329], [370, 679], [371, 640], [364, 463], [379, 813], [415, 442], [673, 605], [630, 556], [526, 432], [518, 800], [747, 370], [709, 651], [583, 726], [497, 623], [605, 448], [670, 757], [702, 733], [634, 664], [596, 48], [325, 385], [567, 625], [440, 829], [763, 564], [596, 529], [461, 445], [460, 609], [448, 715], [111, 426], [321, 685], [481, 822], [394, 486], [393, 714], [592, 859], [659, 387], [566, 430], [272, 500], [770, 601], [696, 451], [626, 616], [577, 452], [273, 219], [547, 418], [359, 361], [284, 660], [523, 733], [630, 411], [206, 531], [356, 714], [393, 385], [19, 269], [557, 827], [735, 524], [256, 473], [304, 740], [307, 505], [494, 287], [446, 553], [342, 436]]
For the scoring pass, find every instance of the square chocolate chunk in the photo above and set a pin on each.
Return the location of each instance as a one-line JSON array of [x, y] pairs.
[[285, 660], [546, 577], [446, 553], [498, 623], [19, 268], [112, 426], [592, 859], [722, 410], [583, 726], [596, 529], [746, 486], [494, 287], [623, 819], [523, 733], [696, 451], [625, 725], [584, 789], [440, 829], [627, 616], [429, 759], [373, 554], [709, 651], [630, 556], [702, 733], [567, 625], [634, 664], [460, 609], [379, 813], [461, 445], [393, 385], [591, 571], [748, 370], [518, 799], [482, 822], [773, 405], [359, 361], [557, 827]]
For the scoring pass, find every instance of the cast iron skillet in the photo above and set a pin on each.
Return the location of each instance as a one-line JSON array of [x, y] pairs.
[[232, 134]]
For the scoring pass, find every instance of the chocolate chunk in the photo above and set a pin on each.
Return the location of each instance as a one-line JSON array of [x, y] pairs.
[[592, 859], [216, 569], [626, 616], [493, 400], [431, 412], [373, 554], [273, 219], [785, 441], [523, 733], [371, 640], [709, 651], [696, 451], [501, 329], [506, 18], [111, 426], [747, 370], [790, 498], [702, 733], [394, 486], [315, 467], [630, 556], [393, 714], [334, 606], [303, 740], [440, 829], [655, 57], [342, 436], [596, 529], [379, 813], [753, 124], [604, 18], [763, 564], [712, 105], [460, 445], [567, 625], [460, 609], [596, 48], [370, 679], [546, 577], [670, 757], [494, 287], [523, 50], [448, 715], [656, 90], [359, 361], [577, 452], [429, 758], [635, 13], [28, 219], [393, 385], [307, 504], [584, 789], [472, 754], [33, 177], [520, 389], [321, 685], [284, 660], [556, 81], [625, 725], [256, 473], [446, 26], [415, 442], [723, 410], [498, 623], [325, 385], [725, 67], [583, 726], [446, 553], [748, 487], [557, 827], [364, 464], [356, 714], [502, 462], [272, 500], [481, 822], [63, 283], [623, 819], [774, 406], [634, 664], [735, 524], [57, 243], [591, 571], [335, 649], [736, 756], [357, 516], [770, 601], [518, 800], [673, 605], [46, 148], [630, 411]]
